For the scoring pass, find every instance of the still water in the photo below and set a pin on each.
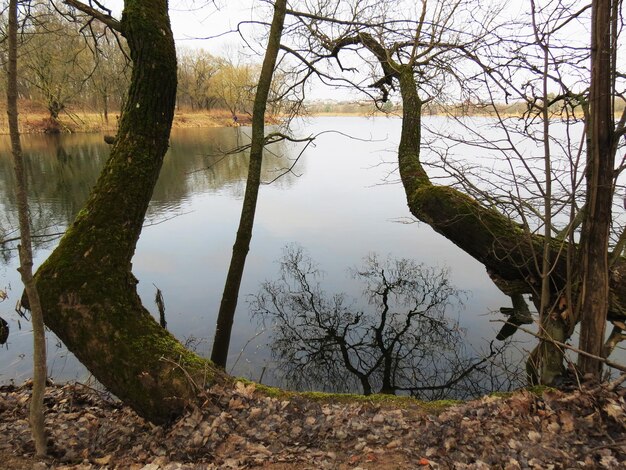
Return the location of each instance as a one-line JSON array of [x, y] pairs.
[[341, 201]]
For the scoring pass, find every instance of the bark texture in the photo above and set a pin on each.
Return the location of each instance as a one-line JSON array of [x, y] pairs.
[[226, 314], [595, 239], [87, 289], [36, 415]]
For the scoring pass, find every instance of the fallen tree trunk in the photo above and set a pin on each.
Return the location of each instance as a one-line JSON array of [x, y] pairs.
[[86, 286]]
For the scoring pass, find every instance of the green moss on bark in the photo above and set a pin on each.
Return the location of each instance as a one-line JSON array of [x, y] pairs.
[[87, 288]]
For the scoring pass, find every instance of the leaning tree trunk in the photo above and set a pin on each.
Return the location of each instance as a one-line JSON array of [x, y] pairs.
[[226, 315], [87, 289], [511, 255]]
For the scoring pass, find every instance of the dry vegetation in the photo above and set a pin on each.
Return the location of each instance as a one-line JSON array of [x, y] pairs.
[[35, 119], [245, 428]]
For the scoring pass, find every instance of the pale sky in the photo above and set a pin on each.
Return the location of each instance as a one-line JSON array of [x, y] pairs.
[[193, 19], [214, 19]]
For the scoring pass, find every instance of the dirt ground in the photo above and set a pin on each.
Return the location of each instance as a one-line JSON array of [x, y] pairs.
[[244, 428]]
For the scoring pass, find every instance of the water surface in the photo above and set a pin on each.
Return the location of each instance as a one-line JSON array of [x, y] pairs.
[[341, 202]]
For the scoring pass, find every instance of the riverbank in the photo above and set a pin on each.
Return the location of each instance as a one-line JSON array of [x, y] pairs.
[[245, 428], [39, 122]]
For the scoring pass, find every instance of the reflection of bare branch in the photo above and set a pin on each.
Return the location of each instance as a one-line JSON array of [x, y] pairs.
[[255, 336], [275, 138], [457, 378], [401, 342], [51, 237], [284, 171], [165, 219]]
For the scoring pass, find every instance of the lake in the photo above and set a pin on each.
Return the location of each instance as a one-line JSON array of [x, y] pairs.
[[341, 201]]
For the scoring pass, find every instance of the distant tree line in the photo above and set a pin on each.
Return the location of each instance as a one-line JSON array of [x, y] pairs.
[[468, 107], [66, 67], [206, 82]]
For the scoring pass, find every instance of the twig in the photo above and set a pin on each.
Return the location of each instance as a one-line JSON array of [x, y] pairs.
[[244, 348], [191, 380], [616, 383], [17, 239], [611, 364], [619, 445], [104, 395], [105, 18]]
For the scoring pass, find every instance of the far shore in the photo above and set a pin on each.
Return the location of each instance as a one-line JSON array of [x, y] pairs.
[[84, 122], [39, 122]]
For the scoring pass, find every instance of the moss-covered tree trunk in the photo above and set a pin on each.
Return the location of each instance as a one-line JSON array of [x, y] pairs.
[[512, 257], [87, 289], [226, 315]]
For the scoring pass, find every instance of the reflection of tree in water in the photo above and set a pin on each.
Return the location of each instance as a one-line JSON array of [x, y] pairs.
[[45, 230], [59, 179], [401, 343], [62, 169]]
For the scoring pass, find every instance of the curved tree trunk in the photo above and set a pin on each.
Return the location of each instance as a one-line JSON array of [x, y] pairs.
[[87, 289], [507, 251], [517, 260], [513, 257]]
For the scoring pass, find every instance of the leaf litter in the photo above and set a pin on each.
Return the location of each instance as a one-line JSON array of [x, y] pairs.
[[240, 427]]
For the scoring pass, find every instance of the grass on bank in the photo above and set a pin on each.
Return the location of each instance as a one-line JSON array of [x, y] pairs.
[[382, 400], [35, 119]]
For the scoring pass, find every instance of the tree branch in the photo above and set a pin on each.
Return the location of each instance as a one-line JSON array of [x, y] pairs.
[[103, 17]]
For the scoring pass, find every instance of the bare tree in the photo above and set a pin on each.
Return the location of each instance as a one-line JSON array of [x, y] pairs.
[[25, 248], [196, 72], [56, 62], [545, 71], [533, 165], [422, 58]]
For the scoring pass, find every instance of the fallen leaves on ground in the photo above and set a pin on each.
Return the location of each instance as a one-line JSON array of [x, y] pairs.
[[240, 427]]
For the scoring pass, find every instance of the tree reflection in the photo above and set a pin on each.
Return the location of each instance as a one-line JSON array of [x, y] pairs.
[[401, 342], [63, 168]]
